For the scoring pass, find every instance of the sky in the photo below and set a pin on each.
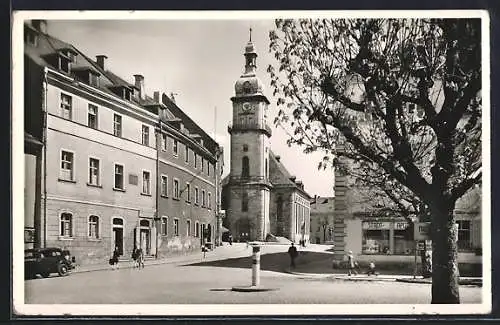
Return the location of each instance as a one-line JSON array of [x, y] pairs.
[[199, 61]]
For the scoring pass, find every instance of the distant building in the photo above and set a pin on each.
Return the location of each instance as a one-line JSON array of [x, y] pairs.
[[261, 198], [108, 166], [322, 219]]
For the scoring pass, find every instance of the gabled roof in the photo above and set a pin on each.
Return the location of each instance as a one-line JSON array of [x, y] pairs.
[[280, 177]]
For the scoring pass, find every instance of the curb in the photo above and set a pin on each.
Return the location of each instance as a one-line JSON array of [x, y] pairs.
[[472, 282]]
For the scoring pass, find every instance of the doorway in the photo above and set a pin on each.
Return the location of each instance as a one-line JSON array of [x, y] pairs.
[[145, 241], [118, 239]]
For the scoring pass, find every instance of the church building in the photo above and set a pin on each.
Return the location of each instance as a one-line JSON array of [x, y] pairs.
[[261, 198]]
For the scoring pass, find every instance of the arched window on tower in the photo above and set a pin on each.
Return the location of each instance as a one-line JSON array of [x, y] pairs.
[[266, 171], [245, 167]]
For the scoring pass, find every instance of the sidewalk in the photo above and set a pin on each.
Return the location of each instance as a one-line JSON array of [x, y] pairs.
[[382, 277], [220, 252]]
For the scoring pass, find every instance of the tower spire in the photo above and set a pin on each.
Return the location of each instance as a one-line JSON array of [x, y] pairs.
[[250, 34]]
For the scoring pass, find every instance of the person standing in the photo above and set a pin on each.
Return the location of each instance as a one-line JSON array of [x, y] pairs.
[[140, 258], [292, 251], [115, 258], [351, 264]]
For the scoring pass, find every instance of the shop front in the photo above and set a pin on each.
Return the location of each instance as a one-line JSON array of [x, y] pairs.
[[387, 237]]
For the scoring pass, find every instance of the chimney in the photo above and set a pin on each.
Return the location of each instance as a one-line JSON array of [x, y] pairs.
[[277, 158], [156, 96], [139, 84], [40, 25], [100, 60]]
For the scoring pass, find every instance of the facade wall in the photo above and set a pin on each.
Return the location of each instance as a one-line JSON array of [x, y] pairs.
[[248, 225], [258, 151], [85, 249], [184, 210]]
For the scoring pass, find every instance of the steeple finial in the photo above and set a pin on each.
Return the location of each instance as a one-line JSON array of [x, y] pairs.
[[250, 34]]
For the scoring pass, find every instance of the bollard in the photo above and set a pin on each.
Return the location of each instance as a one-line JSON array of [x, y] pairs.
[[256, 266]]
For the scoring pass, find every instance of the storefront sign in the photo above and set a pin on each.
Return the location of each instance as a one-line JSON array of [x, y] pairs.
[[401, 225], [374, 225], [422, 231]]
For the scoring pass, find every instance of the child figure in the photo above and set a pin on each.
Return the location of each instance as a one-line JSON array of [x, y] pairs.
[[371, 269]]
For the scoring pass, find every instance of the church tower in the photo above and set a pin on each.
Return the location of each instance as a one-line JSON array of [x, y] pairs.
[[249, 186]]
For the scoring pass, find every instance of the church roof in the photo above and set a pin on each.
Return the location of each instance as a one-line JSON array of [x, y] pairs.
[[279, 176]]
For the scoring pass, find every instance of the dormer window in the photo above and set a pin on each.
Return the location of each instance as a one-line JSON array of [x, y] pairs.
[[31, 37], [64, 64], [127, 94], [93, 79]]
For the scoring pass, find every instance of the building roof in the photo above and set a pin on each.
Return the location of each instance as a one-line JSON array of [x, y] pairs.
[[279, 176], [48, 47]]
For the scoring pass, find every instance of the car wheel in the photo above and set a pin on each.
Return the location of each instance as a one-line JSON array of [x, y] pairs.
[[62, 269], [45, 274]]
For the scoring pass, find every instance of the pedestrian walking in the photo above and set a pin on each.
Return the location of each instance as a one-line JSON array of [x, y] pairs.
[[140, 258], [351, 264], [230, 239], [204, 250], [292, 251]]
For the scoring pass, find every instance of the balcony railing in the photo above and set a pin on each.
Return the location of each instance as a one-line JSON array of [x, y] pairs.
[[250, 126]]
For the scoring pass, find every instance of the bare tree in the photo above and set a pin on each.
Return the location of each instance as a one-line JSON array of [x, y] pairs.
[[403, 98]]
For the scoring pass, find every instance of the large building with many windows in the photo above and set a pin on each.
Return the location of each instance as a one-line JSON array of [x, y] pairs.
[[108, 166], [261, 197]]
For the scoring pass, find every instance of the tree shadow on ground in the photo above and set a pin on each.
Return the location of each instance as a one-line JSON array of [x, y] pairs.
[[277, 262]]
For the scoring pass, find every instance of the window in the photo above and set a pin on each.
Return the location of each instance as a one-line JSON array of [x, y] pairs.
[[31, 38], [164, 142], [146, 182], [175, 147], [94, 227], [93, 171], [196, 196], [208, 168], [245, 147], [117, 125], [202, 163], [197, 229], [64, 64], [66, 106], [188, 192], [93, 79], [145, 135], [176, 227], [244, 202], [209, 200], [118, 177], [186, 154], [66, 172], [188, 228], [195, 160], [176, 188], [164, 185], [163, 226], [245, 167], [203, 199], [66, 229], [92, 117], [464, 234], [266, 170]]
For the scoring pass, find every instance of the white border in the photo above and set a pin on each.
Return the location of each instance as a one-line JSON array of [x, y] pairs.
[[224, 309]]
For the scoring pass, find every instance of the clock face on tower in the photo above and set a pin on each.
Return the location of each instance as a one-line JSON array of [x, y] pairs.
[[246, 108]]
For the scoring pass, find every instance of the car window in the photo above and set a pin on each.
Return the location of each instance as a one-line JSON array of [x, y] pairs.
[[29, 254]]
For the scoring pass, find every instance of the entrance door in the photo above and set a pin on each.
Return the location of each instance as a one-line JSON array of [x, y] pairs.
[[118, 239], [144, 240]]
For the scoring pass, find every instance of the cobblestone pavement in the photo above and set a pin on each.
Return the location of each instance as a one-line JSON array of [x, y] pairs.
[[177, 284]]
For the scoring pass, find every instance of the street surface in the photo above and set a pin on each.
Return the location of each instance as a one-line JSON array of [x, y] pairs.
[[177, 284]]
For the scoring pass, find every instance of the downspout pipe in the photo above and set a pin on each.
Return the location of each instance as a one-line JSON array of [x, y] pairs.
[[44, 141]]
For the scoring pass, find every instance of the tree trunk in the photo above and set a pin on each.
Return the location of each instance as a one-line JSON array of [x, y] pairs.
[[444, 255]]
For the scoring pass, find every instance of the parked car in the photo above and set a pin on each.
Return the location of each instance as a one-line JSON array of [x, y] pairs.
[[45, 261]]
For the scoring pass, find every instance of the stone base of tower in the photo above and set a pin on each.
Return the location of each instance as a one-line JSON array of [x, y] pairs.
[[248, 221]]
